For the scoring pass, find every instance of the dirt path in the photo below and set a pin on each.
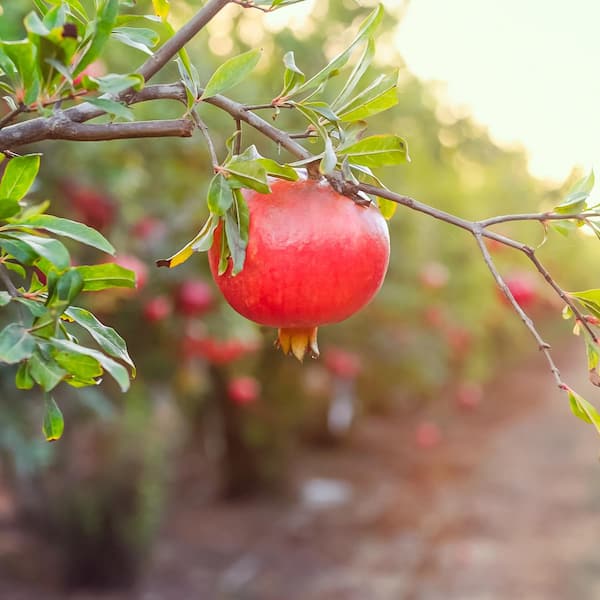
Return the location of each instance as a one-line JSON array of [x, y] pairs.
[[507, 507]]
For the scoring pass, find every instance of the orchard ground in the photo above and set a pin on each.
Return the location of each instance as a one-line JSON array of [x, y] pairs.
[[504, 506]]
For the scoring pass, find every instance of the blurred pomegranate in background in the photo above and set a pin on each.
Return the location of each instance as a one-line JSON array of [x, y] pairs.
[[434, 275], [149, 229], [427, 435], [133, 263], [343, 363], [90, 206], [243, 390], [216, 352], [157, 309], [523, 288], [469, 395], [193, 298]]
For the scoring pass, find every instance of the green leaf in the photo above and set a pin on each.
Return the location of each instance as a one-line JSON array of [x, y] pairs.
[[590, 299], [105, 21], [582, 409], [5, 298], [386, 207], [54, 423], [106, 337], [249, 173], [377, 151], [236, 230], [114, 83], [23, 380], [323, 109], [45, 371], [380, 103], [274, 169], [115, 369], [66, 289], [359, 70], [329, 159], [21, 251], [220, 196], [231, 72], [111, 107], [19, 176], [82, 370], [200, 243], [563, 227], [71, 229], [105, 276], [293, 76], [140, 38], [9, 208], [16, 344], [161, 8], [23, 55], [578, 195], [50, 249], [15, 267], [224, 254], [367, 28]]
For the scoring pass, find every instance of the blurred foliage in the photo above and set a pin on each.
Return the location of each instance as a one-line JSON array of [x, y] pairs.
[[438, 320]]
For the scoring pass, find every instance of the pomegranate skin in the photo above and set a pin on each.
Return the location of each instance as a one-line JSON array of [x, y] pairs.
[[314, 257]]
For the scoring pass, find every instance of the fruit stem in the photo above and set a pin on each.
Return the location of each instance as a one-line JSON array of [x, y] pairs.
[[298, 341]]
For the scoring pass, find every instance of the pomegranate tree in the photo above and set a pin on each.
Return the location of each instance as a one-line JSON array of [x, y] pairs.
[[314, 257]]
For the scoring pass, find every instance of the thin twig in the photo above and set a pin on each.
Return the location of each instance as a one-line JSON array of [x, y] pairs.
[[9, 117], [542, 345], [206, 133], [252, 107], [237, 146], [250, 4], [541, 217]]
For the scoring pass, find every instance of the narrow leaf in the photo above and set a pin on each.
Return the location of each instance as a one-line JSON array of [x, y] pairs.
[[50, 249], [220, 196], [111, 107], [200, 243], [45, 371], [380, 103], [16, 344], [19, 176], [231, 72], [116, 370], [54, 423], [106, 337], [377, 151], [105, 276], [71, 229]]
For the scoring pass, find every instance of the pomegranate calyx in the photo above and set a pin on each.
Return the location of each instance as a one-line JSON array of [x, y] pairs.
[[298, 341]]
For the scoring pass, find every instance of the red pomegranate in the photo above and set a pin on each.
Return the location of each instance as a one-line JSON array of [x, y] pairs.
[[243, 390], [314, 257], [523, 289], [157, 309], [194, 298]]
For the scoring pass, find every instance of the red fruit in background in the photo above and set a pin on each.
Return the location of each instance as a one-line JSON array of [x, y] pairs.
[[435, 317], [523, 288], [434, 275], [343, 363], [427, 435], [243, 390], [469, 395], [91, 207], [314, 257], [133, 263], [194, 298], [459, 340], [157, 309], [217, 352], [148, 229]]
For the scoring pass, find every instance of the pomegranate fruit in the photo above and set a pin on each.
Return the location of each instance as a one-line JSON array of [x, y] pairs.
[[194, 298], [523, 288], [157, 309], [243, 390], [314, 257]]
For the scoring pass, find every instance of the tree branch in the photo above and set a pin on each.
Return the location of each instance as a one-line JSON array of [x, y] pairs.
[[542, 345], [174, 44], [541, 217]]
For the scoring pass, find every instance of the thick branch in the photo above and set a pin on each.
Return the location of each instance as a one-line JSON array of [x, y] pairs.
[[68, 130], [174, 44]]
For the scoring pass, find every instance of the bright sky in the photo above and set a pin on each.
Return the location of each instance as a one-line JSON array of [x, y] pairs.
[[528, 69]]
